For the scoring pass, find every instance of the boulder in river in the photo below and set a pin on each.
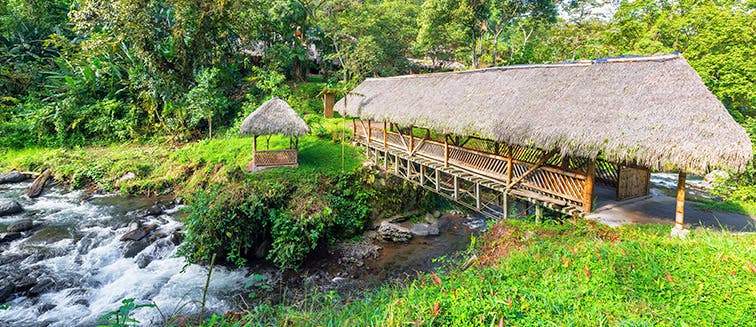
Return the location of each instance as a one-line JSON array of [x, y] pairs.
[[9, 237], [39, 184], [12, 177], [425, 229], [21, 226], [43, 284], [6, 290], [133, 248], [9, 208], [138, 233], [393, 232]]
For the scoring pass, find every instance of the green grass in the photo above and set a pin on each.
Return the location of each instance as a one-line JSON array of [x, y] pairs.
[[747, 208], [165, 168], [557, 275]]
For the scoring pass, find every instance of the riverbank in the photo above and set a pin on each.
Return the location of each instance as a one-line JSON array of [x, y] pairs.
[[559, 273]]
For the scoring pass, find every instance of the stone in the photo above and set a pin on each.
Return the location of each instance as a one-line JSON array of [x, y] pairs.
[[21, 226], [144, 260], [83, 302], [433, 229], [716, 176], [679, 231], [12, 177], [126, 177], [43, 284], [138, 233], [176, 237], [154, 210], [134, 247], [10, 237], [420, 229], [436, 214], [47, 307], [6, 290], [393, 232], [9, 208]]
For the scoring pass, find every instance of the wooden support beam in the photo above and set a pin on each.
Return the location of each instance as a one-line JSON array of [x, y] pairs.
[[538, 213], [477, 195], [385, 159], [588, 186], [401, 137], [533, 168], [396, 165], [422, 174], [505, 204], [680, 204], [369, 132], [438, 183], [456, 188]]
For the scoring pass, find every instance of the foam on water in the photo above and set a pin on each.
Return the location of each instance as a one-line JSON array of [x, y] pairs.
[[91, 274]]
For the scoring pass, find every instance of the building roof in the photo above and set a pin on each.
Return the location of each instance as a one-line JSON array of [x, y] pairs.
[[649, 111], [275, 116]]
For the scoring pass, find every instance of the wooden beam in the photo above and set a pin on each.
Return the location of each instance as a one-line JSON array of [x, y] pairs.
[[411, 141], [680, 204], [422, 174], [438, 184], [477, 195], [509, 166], [505, 204], [396, 165], [456, 188], [401, 137], [588, 186], [369, 132], [533, 168]]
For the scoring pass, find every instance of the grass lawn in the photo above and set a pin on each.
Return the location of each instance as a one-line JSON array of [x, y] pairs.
[[159, 168], [560, 274]]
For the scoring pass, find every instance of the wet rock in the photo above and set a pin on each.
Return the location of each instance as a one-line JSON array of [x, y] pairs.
[[24, 284], [133, 248], [154, 210], [47, 307], [39, 184], [126, 177], [50, 234], [12, 177], [425, 229], [144, 260], [176, 237], [42, 285], [9, 208], [393, 232], [138, 233], [6, 290], [157, 236], [21, 226], [9, 237], [7, 259], [83, 302]]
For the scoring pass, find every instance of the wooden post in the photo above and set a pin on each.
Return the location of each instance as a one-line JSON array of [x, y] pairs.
[[477, 195], [396, 165], [538, 213], [254, 151], [505, 204], [409, 166], [588, 187], [456, 188], [680, 205], [385, 159], [422, 175], [369, 132], [438, 185], [385, 136], [446, 151], [412, 141]]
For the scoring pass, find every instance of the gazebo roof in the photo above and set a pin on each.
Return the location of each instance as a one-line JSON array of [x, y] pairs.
[[275, 116], [649, 111]]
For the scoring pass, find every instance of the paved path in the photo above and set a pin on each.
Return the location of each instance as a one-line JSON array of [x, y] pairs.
[[660, 208]]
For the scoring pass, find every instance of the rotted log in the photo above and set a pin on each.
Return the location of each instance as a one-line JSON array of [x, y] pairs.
[[39, 184]]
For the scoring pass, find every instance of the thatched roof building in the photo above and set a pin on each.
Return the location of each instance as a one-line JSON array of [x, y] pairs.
[[653, 112], [275, 116]]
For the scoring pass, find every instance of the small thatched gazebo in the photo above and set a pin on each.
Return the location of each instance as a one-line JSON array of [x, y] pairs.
[[275, 116]]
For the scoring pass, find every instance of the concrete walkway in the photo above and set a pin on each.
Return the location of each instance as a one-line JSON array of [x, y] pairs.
[[660, 208]]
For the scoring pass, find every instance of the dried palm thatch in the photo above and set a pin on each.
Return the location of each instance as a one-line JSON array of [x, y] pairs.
[[649, 111], [275, 116]]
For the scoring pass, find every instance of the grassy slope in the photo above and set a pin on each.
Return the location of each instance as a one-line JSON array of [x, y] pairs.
[[163, 168], [556, 275]]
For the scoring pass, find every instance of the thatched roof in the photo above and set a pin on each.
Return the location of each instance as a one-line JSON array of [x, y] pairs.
[[275, 116], [650, 111]]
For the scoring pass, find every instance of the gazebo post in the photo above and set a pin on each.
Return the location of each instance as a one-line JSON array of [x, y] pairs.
[[679, 229], [588, 188], [254, 151]]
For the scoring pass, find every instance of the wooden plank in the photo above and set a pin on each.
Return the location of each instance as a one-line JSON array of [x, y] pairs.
[[385, 136], [532, 169]]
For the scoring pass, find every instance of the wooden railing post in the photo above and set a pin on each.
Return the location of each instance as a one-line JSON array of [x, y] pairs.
[[411, 141], [477, 195], [438, 182], [385, 136], [456, 188], [446, 151], [588, 188], [505, 204]]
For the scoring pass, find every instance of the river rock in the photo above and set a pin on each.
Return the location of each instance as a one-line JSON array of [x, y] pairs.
[[176, 237], [47, 307], [12, 177], [393, 232], [21, 226], [9, 208], [133, 248], [143, 260], [6, 290], [42, 285], [138, 233], [425, 229], [9, 237]]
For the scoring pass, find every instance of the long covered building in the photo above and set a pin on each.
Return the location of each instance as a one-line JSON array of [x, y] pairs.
[[549, 134]]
